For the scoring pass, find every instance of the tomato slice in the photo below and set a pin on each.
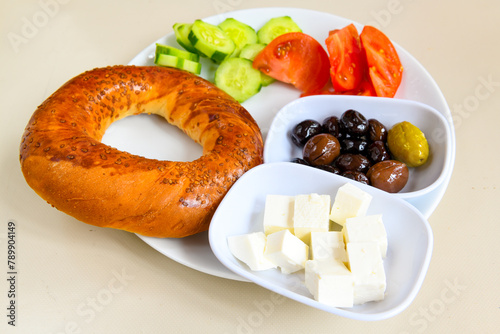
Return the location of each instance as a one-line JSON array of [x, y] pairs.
[[384, 67], [297, 59], [346, 58]]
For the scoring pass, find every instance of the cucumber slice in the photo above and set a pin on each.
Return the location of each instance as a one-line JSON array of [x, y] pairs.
[[181, 31], [211, 41], [250, 51], [266, 80], [275, 27], [241, 34], [238, 78], [170, 50], [177, 62]]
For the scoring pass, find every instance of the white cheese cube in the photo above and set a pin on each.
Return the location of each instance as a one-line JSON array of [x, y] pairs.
[[278, 213], [330, 282], [350, 201], [368, 272], [311, 213], [328, 245], [249, 248], [366, 229], [286, 251]]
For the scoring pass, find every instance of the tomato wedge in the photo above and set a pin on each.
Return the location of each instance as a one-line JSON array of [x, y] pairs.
[[384, 66], [346, 58], [297, 59]]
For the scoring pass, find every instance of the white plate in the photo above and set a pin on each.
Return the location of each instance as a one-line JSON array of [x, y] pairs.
[[409, 236], [422, 180], [417, 85]]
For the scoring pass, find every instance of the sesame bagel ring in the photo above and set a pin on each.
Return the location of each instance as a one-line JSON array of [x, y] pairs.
[[63, 160]]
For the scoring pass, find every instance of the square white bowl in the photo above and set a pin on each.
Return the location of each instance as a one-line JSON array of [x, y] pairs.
[[409, 235], [389, 111]]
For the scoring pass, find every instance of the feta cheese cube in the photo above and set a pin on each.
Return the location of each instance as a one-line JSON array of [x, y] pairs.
[[368, 272], [286, 251], [328, 245], [350, 201], [330, 282], [366, 229], [249, 248], [278, 213], [311, 213]]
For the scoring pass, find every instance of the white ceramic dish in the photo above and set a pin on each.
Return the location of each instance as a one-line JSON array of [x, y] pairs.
[[422, 180], [126, 134], [410, 239]]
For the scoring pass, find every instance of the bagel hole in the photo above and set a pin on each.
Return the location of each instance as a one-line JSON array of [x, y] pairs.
[[151, 136]]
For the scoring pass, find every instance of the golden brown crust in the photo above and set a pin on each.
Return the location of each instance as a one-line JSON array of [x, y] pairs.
[[63, 160]]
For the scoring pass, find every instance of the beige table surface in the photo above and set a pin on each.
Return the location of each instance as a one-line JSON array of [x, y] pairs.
[[67, 269]]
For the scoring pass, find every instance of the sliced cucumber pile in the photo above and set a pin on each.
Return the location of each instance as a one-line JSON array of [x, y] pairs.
[[232, 45]]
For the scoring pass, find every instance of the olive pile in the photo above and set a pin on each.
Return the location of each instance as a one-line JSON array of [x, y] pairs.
[[351, 146]]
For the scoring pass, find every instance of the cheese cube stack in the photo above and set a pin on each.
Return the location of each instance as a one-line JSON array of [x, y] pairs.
[[328, 245], [311, 213], [330, 282], [367, 268], [342, 268], [249, 248], [287, 251], [278, 213], [350, 201], [366, 229]]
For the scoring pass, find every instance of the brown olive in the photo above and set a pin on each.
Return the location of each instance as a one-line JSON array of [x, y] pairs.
[[321, 149], [376, 130], [388, 175], [357, 176], [331, 125], [354, 123], [377, 151], [304, 131], [352, 162]]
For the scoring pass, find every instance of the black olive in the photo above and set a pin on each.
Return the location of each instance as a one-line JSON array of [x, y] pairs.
[[330, 168], [357, 176], [377, 151], [305, 130], [377, 130], [300, 161], [352, 162], [354, 145], [331, 126], [354, 123]]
